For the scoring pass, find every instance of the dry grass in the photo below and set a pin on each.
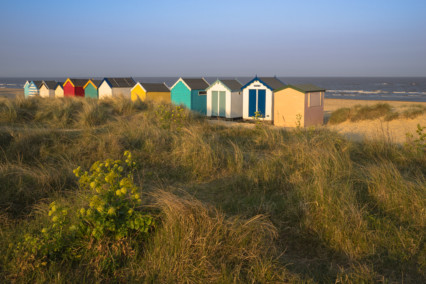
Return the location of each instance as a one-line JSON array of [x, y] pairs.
[[264, 205]]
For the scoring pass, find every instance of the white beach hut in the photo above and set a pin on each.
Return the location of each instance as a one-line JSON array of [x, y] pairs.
[[258, 97], [116, 87], [47, 89], [224, 99]]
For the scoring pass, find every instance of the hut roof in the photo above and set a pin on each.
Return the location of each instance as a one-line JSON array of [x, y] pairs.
[[49, 84], [233, 85], [272, 83], [305, 88], [120, 82], [37, 84], [79, 82], [59, 84], [155, 87], [196, 83]]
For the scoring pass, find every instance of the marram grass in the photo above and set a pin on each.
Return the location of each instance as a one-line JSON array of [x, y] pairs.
[[231, 204]]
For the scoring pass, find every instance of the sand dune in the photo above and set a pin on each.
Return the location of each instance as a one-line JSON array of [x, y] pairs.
[[394, 131]]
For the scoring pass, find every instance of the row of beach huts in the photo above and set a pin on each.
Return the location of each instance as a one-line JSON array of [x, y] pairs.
[[265, 98]]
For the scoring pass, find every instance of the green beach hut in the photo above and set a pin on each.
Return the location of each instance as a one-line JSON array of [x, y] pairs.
[[190, 93], [91, 89]]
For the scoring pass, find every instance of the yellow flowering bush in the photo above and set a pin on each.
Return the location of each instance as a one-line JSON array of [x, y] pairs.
[[112, 204], [111, 213]]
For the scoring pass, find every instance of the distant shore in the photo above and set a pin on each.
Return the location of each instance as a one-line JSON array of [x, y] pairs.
[[11, 93]]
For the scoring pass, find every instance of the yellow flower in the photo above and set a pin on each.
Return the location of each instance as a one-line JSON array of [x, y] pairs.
[[93, 184], [123, 190], [111, 211], [118, 192], [136, 196], [55, 218], [44, 230], [53, 208], [130, 211], [82, 211], [100, 209]]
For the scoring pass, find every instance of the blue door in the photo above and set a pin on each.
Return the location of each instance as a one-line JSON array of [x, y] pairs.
[[261, 102], [252, 103]]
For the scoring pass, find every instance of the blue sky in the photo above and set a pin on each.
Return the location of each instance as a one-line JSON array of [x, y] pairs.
[[213, 38]]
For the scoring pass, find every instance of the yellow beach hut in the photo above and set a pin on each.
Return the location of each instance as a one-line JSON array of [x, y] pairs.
[[158, 92], [299, 105]]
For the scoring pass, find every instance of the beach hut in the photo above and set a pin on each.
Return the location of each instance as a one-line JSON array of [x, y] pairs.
[[190, 93], [158, 92], [299, 105], [224, 99], [26, 88], [33, 88], [47, 89], [59, 90], [258, 97], [91, 89], [116, 87], [74, 87]]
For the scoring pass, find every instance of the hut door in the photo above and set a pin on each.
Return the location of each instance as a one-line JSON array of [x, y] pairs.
[[261, 101], [214, 103], [222, 104], [252, 103]]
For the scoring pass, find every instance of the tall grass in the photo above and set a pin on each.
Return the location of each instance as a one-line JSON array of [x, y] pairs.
[[248, 204]]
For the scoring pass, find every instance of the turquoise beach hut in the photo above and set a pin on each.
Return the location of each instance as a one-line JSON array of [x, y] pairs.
[[190, 93], [26, 88], [33, 88]]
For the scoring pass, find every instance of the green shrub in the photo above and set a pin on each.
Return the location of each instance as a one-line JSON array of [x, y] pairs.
[[110, 214], [370, 112]]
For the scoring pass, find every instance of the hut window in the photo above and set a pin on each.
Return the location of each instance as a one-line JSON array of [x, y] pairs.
[[314, 99], [202, 93]]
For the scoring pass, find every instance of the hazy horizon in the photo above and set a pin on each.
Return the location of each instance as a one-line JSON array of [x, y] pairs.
[[213, 38]]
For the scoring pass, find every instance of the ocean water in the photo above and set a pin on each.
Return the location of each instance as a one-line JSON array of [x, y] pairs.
[[361, 88]]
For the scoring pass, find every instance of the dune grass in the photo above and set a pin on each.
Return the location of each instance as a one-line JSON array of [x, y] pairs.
[[233, 204], [380, 110]]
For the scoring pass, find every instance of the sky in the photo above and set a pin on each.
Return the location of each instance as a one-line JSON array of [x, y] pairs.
[[212, 38]]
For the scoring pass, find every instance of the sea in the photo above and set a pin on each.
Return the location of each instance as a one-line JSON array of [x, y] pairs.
[[358, 88]]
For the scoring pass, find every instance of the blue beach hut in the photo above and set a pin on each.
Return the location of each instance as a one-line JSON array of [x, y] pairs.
[[258, 96], [190, 93], [33, 88]]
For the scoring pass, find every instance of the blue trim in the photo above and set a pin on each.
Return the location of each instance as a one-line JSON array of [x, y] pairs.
[[108, 82], [256, 79]]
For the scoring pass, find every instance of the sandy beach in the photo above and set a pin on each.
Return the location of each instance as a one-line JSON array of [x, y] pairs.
[[11, 93], [394, 131]]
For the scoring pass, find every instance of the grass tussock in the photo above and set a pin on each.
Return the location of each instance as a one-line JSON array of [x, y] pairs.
[[380, 110], [254, 205]]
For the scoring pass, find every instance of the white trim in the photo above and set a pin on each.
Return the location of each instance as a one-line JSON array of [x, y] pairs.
[[181, 80], [138, 83]]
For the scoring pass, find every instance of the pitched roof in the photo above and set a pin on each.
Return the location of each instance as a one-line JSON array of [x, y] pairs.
[[96, 82], [37, 84], [120, 82], [232, 84], [59, 84], [155, 87], [272, 82], [304, 88], [49, 84], [196, 83], [79, 82]]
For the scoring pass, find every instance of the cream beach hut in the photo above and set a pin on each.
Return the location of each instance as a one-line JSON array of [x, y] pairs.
[[258, 97], [224, 99], [299, 105], [59, 90], [47, 89], [116, 87]]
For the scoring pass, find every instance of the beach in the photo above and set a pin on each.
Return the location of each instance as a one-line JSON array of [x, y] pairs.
[[11, 93], [394, 131]]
